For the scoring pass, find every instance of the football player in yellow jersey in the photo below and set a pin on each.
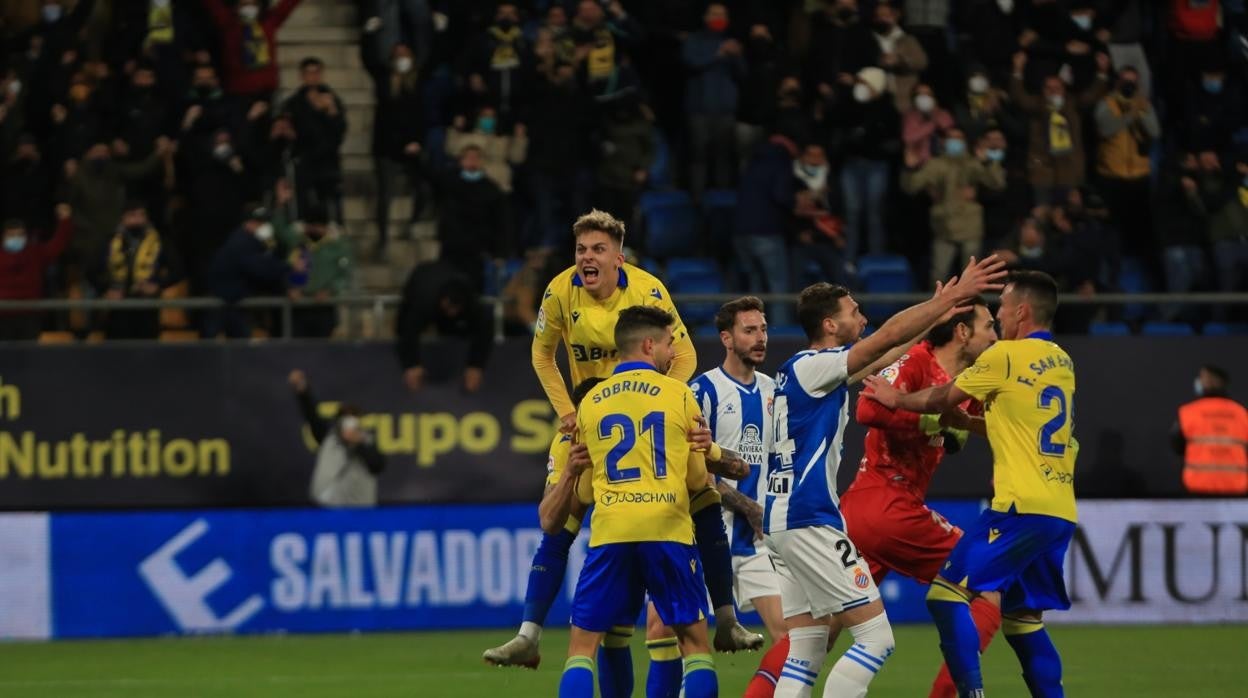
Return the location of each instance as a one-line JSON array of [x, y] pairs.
[[636, 425], [1017, 548]]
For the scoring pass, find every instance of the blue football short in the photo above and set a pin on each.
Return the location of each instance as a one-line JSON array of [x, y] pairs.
[[616, 577], [1020, 555]]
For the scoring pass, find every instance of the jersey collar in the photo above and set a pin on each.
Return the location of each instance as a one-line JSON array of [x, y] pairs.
[[1041, 334], [748, 388], [634, 366], [622, 283]]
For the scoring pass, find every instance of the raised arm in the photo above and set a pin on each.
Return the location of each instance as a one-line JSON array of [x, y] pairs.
[[938, 398], [978, 277], [545, 342]]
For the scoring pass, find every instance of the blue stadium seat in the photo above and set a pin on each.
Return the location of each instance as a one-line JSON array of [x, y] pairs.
[[435, 147], [660, 174], [1222, 329], [718, 208], [1167, 329], [652, 265], [1133, 278], [1109, 329], [786, 332], [496, 279], [884, 274], [695, 313], [671, 224], [682, 267]]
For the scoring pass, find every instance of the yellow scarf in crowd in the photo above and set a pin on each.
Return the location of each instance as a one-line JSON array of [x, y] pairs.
[[1059, 134], [505, 57], [159, 26], [601, 59], [126, 271], [255, 46]]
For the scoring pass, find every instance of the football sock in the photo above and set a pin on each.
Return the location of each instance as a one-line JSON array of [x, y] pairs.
[[550, 563], [615, 663], [1042, 666], [700, 680], [987, 618], [578, 678], [959, 641], [712, 540], [763, 685], [807, 648], [663, 679], [852, 673]]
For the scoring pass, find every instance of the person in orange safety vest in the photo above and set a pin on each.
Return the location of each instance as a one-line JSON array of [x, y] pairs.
[[1212, 436]]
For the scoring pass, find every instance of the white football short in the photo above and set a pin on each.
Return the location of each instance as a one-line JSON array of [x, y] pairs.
[[754, 576], [821, 572]]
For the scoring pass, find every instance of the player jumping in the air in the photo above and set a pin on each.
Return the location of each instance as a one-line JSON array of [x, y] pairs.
[[822, 575], [884, 508], [737, 401], [579, 309], [1017, 548], [635, 425]]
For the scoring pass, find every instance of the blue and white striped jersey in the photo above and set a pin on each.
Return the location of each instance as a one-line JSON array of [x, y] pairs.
[[811, 410], [740, 418]]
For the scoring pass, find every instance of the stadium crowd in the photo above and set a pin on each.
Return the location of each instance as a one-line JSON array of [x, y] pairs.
[[145, 150]]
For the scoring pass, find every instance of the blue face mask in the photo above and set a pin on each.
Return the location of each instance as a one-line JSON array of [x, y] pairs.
[[472, 175], [486, 124], [15, 244], [1244, 182], [51, 13], [1212, 85], [955, 147], [996, 154], [1084, 22]]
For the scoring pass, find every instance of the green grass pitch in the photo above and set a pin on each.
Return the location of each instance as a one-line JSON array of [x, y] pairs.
[[1099, 661]]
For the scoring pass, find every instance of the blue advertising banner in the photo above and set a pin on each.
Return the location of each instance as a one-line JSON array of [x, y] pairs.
[[297, 570]]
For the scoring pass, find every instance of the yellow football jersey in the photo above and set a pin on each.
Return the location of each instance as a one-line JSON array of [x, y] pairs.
[[635, 425], [1028, 389], [587, 328], [560, 449]]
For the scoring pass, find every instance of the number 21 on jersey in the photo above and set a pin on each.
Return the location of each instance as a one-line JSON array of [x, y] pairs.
[[1051, 442], [627, 429]]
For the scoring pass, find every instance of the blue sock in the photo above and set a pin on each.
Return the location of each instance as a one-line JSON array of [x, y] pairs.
[[712, 540], [550, 563], [700, 679], [615, 663], [578, 678], [959, 641], [1042, 665], [663, 679]]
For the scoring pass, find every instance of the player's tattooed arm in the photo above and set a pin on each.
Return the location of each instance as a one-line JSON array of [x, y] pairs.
[[728, 464], [736, 501]]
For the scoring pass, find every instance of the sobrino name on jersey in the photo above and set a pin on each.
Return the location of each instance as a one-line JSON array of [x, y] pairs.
[[627, 386]]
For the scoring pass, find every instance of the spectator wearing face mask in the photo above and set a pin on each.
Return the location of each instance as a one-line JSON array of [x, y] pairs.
[[765, 204], [901, 55], [398, 130], [1003, 208], [319, 120], [499, 152], [1192, 44], [219, 182], [24, 257], [603, 34], [136, 263], [952, 180], [1055, 160], [249, 45], [472, 221], [1182, 231], [840, 46], [438, 295], [497, 64], [59, 25], [922, 124], [983, 106], [394, 22], [817, 234], [714, 66], [78, 119], [1212, 109], [1027, 248], [793, 118], [757, 106], [320, 262], [869, 133], [1224, 204], [247, 265], [1128, 127], [207, 110], [347, 459]]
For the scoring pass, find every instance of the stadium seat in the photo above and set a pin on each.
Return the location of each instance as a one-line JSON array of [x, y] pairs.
[[1167, 329], [435, 148], [660, 174], [692, 276], [1133, 278], [1109, 329], [652, 265], [884, 274], [671, 224], [786, 332], [1222, 329], [718, 208], [682, 267]]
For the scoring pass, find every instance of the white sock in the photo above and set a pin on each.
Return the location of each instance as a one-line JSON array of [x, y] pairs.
[[873, 643], [531, 630], [726, 615], [807, 648]]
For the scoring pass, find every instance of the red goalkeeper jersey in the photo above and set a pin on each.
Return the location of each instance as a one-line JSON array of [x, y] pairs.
[[897, 450]]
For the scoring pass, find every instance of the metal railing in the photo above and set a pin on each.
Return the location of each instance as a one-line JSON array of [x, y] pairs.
[[375, 307]]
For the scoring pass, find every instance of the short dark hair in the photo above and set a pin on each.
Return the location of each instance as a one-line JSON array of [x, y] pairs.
[[942, 334], [635, 323], [1040, 290], [582, 389], [310, 62], [817, 302], [727, 315], [1218, 372], [602, 222]]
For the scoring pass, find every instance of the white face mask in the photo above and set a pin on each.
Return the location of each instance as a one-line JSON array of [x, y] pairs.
[[223, 151], [925, 103], [264, 233], [978, 84], [160, 4], [403, 64], [815, 177], [1198, 388], [862, 93], [249, 12], [1007, 6], [1057, 102]]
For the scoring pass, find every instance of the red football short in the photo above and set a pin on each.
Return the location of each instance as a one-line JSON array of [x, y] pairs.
[[894, 530]]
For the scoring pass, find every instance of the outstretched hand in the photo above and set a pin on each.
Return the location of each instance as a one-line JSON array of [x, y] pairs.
[[699, 437], [879, 389], [979, 276]]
